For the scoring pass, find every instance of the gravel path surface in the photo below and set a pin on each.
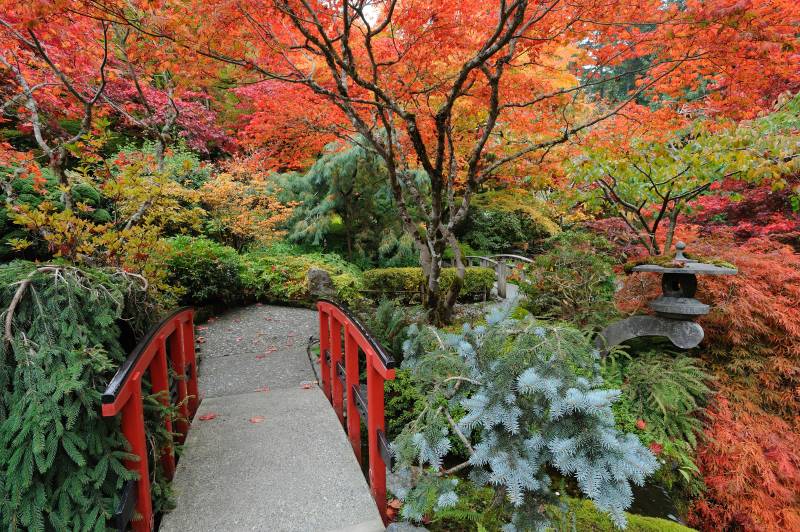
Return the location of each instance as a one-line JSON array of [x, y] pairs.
[[266, 451], [253, 347]]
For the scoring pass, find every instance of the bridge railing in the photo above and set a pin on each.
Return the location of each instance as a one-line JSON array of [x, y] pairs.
[[341, 382], [169, 344]]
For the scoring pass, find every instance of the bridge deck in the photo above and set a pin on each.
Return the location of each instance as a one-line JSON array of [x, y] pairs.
[[275, 460]]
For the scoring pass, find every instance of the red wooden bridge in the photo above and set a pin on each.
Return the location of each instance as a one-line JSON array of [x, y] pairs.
[[271, 439]]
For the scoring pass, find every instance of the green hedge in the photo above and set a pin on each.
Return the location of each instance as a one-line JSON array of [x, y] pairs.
[[407, 283], [207, 272], [279, 277]]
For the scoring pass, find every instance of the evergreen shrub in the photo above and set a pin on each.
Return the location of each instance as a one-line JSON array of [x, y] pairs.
[[572, 281], [406, 283], [533, 401], [505, 220], [61, 463], [207, 272]]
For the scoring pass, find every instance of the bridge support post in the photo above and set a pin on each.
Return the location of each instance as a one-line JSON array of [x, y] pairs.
[[351, 380], [502, 277], [190, 359], [159, 376], [176, 352], [376, 423], [324, 350], [336, 358], [133, 429]]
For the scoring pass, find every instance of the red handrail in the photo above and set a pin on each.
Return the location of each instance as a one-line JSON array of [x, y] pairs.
[[338, 376], [124, 395]]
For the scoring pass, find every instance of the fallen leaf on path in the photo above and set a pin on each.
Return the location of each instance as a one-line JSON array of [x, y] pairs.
[[261, 357], [307, 385], [256, 419], [263, 389], [393, 508], [208, 417]]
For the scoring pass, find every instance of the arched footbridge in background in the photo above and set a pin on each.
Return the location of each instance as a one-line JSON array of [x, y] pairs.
[[506, 267]]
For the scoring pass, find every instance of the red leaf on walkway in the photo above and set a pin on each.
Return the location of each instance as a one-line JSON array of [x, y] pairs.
[[307, 385], [263, 389], [256, 419], [261, 357], [207, 417]]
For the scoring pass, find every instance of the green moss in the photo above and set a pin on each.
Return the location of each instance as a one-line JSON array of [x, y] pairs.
[[588, 518], [668, 261]]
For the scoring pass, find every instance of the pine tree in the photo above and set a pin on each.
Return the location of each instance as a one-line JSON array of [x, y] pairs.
[[61, 463], [530, 397]]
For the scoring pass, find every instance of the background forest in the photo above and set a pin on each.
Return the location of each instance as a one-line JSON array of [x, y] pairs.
[[158, 154]]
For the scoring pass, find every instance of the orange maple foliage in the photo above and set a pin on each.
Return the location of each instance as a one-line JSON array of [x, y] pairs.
[[750, 462], [243, 203]]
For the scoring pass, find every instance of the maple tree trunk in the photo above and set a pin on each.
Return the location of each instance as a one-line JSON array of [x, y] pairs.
[[159, 153], [440, 306], [56, 164]]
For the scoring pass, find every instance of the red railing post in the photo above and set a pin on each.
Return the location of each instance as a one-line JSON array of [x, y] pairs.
[[375, 423], [133, 429], [159, 377], [351, 380], [190, 359], [336, 357], [324, 347], [176, 348]]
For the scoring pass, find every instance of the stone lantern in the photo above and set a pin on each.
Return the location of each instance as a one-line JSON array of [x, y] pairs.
[[676, 308]]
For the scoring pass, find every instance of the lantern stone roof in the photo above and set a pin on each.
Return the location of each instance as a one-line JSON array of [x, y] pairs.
[[685, 265]]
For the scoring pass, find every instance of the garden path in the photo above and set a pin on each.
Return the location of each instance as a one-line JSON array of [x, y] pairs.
[[266, 451]]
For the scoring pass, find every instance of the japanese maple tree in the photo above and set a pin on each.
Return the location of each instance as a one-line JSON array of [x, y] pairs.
[[56, 63], [468, 92]]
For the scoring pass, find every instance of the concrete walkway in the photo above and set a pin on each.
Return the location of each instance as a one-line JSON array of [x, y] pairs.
[[266, 451]]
